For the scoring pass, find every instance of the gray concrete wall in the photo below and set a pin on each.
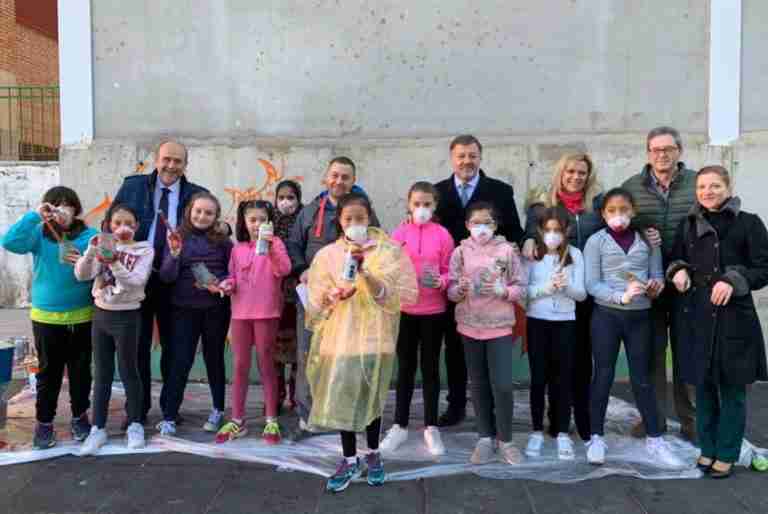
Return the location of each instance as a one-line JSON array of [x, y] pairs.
[[396, 69], [22, 186], [754, 74]]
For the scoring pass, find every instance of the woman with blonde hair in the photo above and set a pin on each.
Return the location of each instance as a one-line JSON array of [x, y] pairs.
[[573, 190]]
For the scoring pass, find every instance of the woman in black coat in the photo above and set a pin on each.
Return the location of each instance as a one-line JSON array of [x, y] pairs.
[[720, 256]]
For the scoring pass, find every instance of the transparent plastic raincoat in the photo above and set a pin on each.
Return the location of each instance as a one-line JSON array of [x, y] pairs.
[[353, 343]]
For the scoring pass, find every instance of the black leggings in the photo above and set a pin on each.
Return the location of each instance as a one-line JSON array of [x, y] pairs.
[[349, 439], [419, 339]]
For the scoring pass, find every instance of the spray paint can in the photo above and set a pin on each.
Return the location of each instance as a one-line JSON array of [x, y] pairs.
[[262, 245], [350, 268]]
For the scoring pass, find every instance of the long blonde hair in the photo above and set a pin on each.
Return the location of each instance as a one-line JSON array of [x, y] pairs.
[[591, 189]]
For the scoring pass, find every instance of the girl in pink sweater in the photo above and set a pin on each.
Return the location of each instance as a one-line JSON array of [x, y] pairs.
[[255, 283], [486, 279], [422, 324]]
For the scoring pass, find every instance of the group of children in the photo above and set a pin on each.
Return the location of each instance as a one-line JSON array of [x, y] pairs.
[[373, 299]]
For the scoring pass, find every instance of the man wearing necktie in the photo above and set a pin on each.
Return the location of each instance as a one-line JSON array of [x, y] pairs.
[[467, 184], [164, 190]]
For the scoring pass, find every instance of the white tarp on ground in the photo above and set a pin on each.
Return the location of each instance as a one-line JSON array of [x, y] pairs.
[[320, 453]]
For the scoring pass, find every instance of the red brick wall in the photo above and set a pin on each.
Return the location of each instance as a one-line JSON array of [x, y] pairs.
[[28, 53], [7, 36]]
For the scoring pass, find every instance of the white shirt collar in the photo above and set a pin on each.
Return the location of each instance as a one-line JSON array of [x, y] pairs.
[[472, 183]]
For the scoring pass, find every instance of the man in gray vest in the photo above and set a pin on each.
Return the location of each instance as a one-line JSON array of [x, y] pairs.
[[665, 191]]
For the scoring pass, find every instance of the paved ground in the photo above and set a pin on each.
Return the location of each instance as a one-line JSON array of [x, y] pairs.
[[180, 483]]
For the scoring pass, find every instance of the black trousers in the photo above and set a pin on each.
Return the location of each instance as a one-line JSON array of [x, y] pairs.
[[190, 326], [60, 346], [455, 364], [551, 362], [116, 332], [419, 338], [156, 306], [349, 439]]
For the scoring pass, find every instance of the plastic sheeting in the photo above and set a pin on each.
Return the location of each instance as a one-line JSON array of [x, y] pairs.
[[320, 453]]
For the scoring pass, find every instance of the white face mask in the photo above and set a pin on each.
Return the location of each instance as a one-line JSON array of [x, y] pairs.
[[124, 233], [357, 233], [481, 233], [618, 223], [287, 207], [553, 240], [421, 215]]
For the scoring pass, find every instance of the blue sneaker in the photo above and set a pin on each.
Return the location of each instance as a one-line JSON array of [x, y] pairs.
[[345, 473], [45, 437], [81, 428], [376, 475]]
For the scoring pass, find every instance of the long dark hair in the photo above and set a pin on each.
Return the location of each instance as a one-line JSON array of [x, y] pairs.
[[62, 195], [241, 230], [291, 184], [553, 213], [620, 192], [347, 200], [187, 228], [114, 208]]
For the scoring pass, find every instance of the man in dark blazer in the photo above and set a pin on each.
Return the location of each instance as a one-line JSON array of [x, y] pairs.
[[166, 188], [468, 184]]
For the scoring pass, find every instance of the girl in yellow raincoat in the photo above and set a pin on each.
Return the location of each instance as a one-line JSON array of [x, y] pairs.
[[356, 287]]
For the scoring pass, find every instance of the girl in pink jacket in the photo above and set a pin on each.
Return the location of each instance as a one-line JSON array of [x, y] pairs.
[[256, 271], [486, 279], [422, 325]]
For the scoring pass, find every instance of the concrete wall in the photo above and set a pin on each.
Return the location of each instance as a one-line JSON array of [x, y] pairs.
[[396, 68], [22, 186], [754, 109]]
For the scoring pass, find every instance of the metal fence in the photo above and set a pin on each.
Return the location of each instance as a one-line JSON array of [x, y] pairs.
[[30, 123]]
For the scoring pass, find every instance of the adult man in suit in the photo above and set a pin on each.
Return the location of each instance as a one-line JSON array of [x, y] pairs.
[[165, 189], [467, 184]]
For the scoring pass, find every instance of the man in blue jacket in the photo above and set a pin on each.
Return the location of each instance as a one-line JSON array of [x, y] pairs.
[[166, 189]]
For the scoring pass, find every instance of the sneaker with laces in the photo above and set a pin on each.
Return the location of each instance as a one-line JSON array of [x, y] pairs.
[[344, 474], [45, 437], [167, 428], [565, 447], [231, 431], [134, 436], [596, 448], [96, 439], [535, 442], [433, 441], [271, 432], [376, 475], [662, 454], [215, 421], [81, 427], [485, 451], [395, 437], [510, 453]]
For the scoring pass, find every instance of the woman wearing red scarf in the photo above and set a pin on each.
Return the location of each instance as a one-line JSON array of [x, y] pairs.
[[573, 189]]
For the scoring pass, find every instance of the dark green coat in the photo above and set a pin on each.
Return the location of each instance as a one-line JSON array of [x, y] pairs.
[[720, 344], [653, 210]]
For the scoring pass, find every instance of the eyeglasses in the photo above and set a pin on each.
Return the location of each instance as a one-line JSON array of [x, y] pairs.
[[667, 150]]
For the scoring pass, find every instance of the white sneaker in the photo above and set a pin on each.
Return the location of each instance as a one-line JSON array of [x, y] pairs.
[[596, 450], [510, 454], [662, 453], [95, 440], [485, 451], [167, 428], [394, 438], [565, 447], [433, 441], [535, 442], [214, 422], [135, 436]]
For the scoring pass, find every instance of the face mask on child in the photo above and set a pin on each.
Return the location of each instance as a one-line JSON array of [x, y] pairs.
[[481, 233], [287, 207], [357, 233], [421, 215], [553, 240], [618, 223], [124, 233]]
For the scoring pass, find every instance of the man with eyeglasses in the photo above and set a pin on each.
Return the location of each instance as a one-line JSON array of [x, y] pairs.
[[664, 191]]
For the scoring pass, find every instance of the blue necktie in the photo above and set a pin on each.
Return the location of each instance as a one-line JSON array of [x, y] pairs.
[[464, 193], [160, 230]]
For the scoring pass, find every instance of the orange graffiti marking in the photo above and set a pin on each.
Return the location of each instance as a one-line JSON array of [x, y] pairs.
[[265, 191], [91, 216]]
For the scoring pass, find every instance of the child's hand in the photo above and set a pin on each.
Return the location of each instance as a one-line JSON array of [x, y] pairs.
[[227, 286], [46, 211], [463, 286], [530, 251], [72, 256], [654, 288], [634, 288], [560, 280], [175, 243], [682, 280]]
